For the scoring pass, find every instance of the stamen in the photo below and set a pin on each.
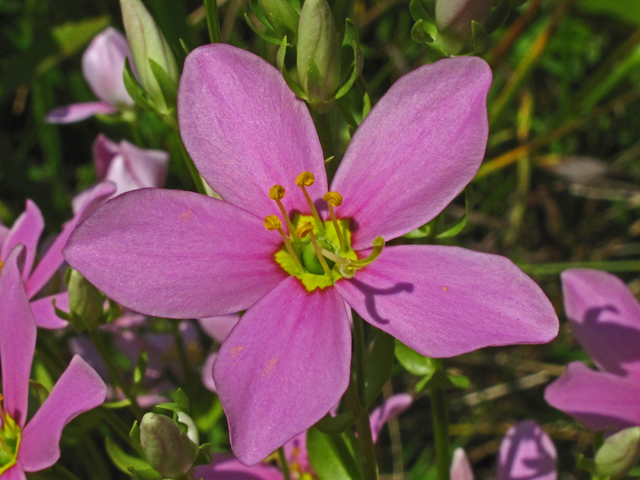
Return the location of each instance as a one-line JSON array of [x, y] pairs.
[[277, 193], [271, 222], [348, 266], [306, 179], [334, 199], [304, 229]]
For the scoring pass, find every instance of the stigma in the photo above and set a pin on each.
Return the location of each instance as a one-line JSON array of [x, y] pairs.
[[315, 251]]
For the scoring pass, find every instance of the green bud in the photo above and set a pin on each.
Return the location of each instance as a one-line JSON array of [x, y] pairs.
[[318, 53], [619, 453], [453, 20], [148, 44], [282, 17], [86, 302], [166, 447]]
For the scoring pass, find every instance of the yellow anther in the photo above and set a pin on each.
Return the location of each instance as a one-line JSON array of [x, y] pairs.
[[276, 192], [305, 179], [304, 229], [333, 198], [272, 222]]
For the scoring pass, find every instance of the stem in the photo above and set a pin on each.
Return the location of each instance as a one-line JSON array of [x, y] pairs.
[[195, 175], [283, 464], [323, 125], [97, 341], [440, 419], [213, 24], [62, 473], [363, 426]]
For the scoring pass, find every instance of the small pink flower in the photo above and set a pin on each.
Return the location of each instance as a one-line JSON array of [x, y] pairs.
[[605, 318], [33, 446], [103, 68]]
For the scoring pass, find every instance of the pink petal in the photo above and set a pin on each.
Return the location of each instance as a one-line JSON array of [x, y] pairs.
[[176, 254], [45, 314], [4, 231], [600, 400], [225, 467], [460, 466], [14, 473], [79, 389], [527, 453], [146, 168], [219, 328], [390, 409], [103, 67], [207, 372], [605, 318], [445, 301], [79, 111], [284, 366], [52, 260], [26, 230], [17, 338], [416, 150], [104, 149], [246, 131]]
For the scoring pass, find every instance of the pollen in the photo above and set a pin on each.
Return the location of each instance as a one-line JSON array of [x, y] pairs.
[[305, 179], [333, 198], [276, 192], [272, 222]]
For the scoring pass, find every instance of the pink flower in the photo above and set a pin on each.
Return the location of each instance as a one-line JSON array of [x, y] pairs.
[[287, 362], [605, 318], [27, 230], [225, 467], [103, 68], [32, 446], [526, 453]]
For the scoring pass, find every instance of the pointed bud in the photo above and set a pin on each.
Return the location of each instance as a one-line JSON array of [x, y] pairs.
[[282, 17], [318, 53], [619, 453], [453, 19], [86, 302], [149, 47], [166, 447]]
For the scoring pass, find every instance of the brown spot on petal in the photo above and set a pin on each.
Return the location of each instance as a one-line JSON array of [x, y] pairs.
[[186, 216], [270, 366]]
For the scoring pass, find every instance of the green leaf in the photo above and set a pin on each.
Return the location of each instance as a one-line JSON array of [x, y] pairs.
[[421, 232], [497, 17], [443, 380], [351, 39], [265, 37], [412, 360], [204, 454], [257, 11], [315, 87], [378, 369], [134, 434], [625, 10], [418, 12], [61, 313], [182, 401], [419, 34], [337, 424], [123, 460], [168, 86], [457, 227], [366, 105], [141, 368], [117, 404], [481, 40], [587, 464], [334, 457], [148, 474], [134, 88], [295, 88]]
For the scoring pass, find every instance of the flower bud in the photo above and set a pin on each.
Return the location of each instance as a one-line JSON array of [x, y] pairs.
[[86, 302], [619, 453], [282, 17], [166, 447], [453, 19], [318, 51], [147, 43]]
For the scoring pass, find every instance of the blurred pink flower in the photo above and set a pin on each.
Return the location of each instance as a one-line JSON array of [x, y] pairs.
[[103, 68], [605, 318], [33, 446]]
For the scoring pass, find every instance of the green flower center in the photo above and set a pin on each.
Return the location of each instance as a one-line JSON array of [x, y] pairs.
[[10, 436]]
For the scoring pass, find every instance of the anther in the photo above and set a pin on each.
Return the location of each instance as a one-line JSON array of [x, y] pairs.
[[271, 222], [304, 229], [334, 199], [277, 193], [306, 179]]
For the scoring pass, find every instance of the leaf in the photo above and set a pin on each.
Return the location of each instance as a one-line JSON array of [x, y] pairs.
[[443, 380], [418, 33], [418, 12], [134, 434], [366, 105], [481, 40], [625, 10], [123, 460], [412, 360], [497, 17], [141, 368], [148, 474], [265, 37], [378, 369], [295, 88], [351, 39], [334, 457], [457, 227], [337, 424], [182, 401], [135, 90], [168, 86]]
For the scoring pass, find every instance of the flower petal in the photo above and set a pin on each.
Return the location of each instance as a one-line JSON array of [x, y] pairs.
[[176, 254], [527, 453], [246, 131], [283, 367], [103, 67], [460, 466], [445, 301], [104, 149], [79, 111], [207, 372], [147, 168], [14, 473], [600, 400], [45, 314], [26, 230], [17, 338], [416, 150], [390, 409], [52, 260], [219, 328], [79, 389], [225, 467], [605, 318]]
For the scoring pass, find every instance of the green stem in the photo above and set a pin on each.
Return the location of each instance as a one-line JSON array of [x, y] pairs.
[[363, 426], [197, 179], [440, 417], [97, 341], [323, 126], [213, 24], [284, 464], [62, 473]]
